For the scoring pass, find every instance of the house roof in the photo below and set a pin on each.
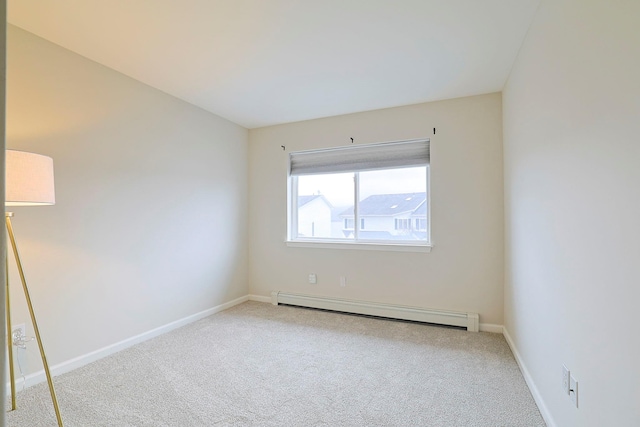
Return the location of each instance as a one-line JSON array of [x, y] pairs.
[[389, 204], [303, 200], [421, 210]]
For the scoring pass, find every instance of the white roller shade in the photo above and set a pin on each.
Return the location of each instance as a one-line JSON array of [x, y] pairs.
[[360, 157]]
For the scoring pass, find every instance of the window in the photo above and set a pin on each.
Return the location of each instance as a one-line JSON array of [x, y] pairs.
[[333, 193], [403, 224]]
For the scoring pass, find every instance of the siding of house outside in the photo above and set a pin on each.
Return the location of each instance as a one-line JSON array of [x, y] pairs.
[[314, 216]]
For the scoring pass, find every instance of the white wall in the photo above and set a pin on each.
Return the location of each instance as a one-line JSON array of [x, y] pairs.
[[572, 197], [465, 269], [150, 220]]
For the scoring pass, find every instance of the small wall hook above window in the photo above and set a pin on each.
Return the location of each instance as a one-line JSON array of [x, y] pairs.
[[352, 140], [283, 147]]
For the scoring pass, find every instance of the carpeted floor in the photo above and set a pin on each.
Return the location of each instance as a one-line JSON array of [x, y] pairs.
[[260, 365]]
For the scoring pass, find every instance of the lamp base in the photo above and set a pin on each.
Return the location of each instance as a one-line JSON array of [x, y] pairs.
[[34, 322]]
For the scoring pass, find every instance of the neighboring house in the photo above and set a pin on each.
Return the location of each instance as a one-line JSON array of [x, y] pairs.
[[314, 216], [337, 223], [419, 217], [389, 216]]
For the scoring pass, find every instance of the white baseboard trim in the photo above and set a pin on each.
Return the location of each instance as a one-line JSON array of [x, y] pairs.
[[70, 365], [544, 411], [259, 298], [491, 327]]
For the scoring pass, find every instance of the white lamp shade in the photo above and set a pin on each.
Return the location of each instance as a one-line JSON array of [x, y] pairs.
[[29, 179]]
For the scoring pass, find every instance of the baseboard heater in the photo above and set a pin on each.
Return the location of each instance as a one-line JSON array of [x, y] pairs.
[[440, 317]]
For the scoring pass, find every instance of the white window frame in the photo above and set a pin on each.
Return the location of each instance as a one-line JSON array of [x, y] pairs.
[[355, 243]]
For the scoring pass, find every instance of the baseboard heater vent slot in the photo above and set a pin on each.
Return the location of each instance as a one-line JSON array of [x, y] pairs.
[[417, 314]]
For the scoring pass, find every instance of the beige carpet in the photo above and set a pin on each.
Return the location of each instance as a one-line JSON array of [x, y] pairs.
[[261, 365]]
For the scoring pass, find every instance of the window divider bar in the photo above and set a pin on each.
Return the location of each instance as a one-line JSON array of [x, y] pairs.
[[356, 218]]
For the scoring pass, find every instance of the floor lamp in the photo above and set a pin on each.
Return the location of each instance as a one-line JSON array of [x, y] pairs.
[[29, 182]]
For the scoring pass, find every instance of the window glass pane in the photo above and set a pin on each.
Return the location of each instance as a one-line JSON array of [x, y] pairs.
[[322, 199], [393, 204]]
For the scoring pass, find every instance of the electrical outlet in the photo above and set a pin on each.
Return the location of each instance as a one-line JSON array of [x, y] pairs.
[[573, 393], [343, 281], [19, 335], [565, 379], [313, 279]]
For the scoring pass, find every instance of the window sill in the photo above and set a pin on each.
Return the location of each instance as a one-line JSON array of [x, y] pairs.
[[404, 247]]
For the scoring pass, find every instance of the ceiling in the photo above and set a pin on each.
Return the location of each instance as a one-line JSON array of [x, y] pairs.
[[265, 62]]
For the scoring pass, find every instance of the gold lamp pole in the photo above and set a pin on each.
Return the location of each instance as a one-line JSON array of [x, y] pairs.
[[29, 182]]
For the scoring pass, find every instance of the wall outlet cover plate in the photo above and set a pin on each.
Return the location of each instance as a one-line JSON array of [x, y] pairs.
[[565, 379], [574, 391]]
